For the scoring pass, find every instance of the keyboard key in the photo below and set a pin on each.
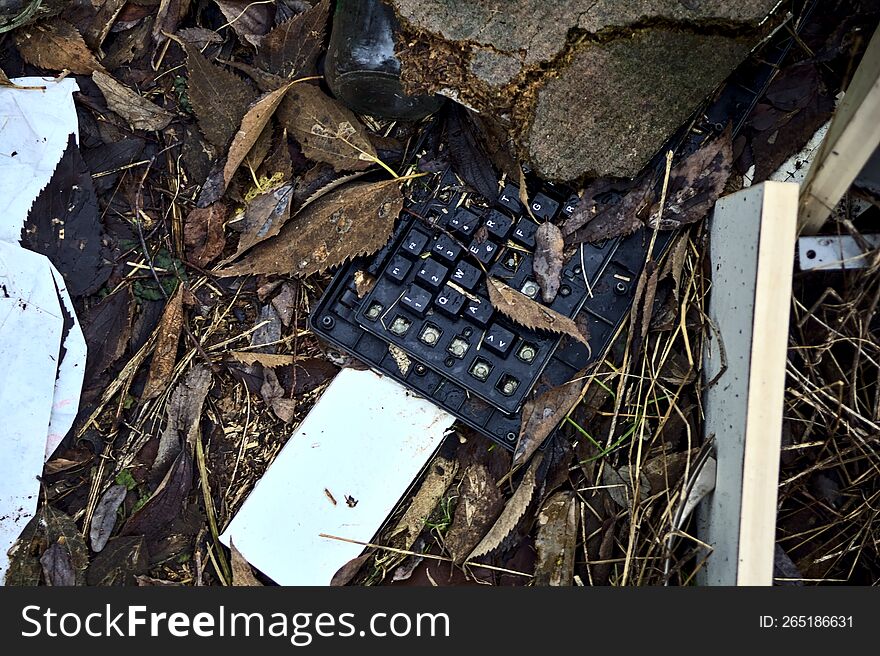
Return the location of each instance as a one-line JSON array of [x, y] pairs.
[[479, 312], [509, 198], [449, 302], [466, 275], [414, 243], [569, 205], [398, 269], [446, 248], [432, 274], [498, 225], [416, 299], [543, 207], [524, 233], [498, 339], [464, 223], [484, 252]]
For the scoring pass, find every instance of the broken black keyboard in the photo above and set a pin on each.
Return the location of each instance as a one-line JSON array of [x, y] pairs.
[[427, 320]]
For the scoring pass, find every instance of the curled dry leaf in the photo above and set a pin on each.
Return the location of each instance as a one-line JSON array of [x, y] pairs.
[[531, 314], [220, 99], [547, 264], [327, 131], [592, 221], [556, 540], [165, 354], [356, 220], [56, 45], [510, 516], [252, 125], [291, 50], [140, 113], [250, 20], [541, 415], [58, 566]]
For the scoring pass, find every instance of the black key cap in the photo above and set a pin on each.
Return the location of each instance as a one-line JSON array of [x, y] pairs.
[[414, 243], [543, 207], [498, 339], [416, 299], [524, 233], [432, 274], [498, 225], [479, 313], [569, 205], [484, 252], [398, 269], [449, 302], [446, 248], [465, 275], [509, 198], [464, 223]]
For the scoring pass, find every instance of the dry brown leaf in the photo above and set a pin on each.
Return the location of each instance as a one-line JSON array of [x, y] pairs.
[[264, 217], [56, 45], [220, 99], [200, 37], [543, 414], [531, 314], [547, 263], [347, 572], [356, 220], [266, 359], [104, 517], [556, 540], [184, 412], [168, 16], [276, 397], [242, 574], [250, 20], [203, 233], [165, 354], [479, 504], [510, 516], [440, 475], [695, 184], [327, 131], [252, 125], [291, 50], [140, 113]]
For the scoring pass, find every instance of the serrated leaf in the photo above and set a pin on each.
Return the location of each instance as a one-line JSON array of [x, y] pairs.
[[547, 263], [326, 131], [252, 125], [56, 45], [140, 113], [291, 50], [220, 99], [510, 516], [356, 220], [531, 314], [64, 224]]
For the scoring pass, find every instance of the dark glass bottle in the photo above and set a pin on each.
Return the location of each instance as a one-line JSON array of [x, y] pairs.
[[361, 68]]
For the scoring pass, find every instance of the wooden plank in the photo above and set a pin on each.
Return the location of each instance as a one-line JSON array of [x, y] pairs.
[[752, 242], [853, 136]]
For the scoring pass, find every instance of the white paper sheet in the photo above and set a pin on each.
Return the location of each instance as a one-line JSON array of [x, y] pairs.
[[39, 395], [368, 437]]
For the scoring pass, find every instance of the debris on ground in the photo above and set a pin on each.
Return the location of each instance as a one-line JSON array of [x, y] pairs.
[[215, 183]]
